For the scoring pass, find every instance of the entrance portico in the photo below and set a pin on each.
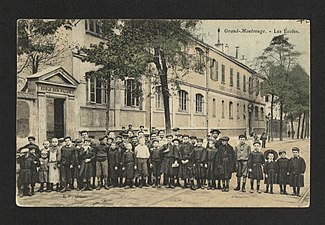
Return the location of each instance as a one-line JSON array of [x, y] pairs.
[[56, 98]]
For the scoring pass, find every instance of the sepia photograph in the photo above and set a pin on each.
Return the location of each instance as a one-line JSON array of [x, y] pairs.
[[163, 113]]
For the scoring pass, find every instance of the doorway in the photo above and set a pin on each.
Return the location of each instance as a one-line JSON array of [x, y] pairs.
[[55, 118]]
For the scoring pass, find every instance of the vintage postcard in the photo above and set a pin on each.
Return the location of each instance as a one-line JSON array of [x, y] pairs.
[[163, 113]]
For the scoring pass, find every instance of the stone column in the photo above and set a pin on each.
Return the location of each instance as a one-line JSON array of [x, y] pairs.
[[70, 120], [42, 136]]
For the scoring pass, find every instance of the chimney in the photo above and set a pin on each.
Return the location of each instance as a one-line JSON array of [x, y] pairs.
[[227, 49], [243, 60], [237, 47], [219, 45]]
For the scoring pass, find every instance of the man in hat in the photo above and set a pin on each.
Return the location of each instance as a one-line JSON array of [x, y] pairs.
[[282, 170], [200, 165], [31, 142], [270, 169], [242, 152], [255, 166], [226, 161], [186, 157], [297, 168], [66, 164], [101, 156]]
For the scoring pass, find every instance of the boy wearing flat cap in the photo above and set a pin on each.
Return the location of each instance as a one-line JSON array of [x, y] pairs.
[[66, 164], [101, 158], [214, 134], [255, 166], [282, 172], [24, 177], [297, 168], [242, 152], [155, 162], [169, 156], [226, 161], [210, 159]]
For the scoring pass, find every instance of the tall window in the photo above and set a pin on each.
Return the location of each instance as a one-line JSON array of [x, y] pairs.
[[250, 85], [257, 86], [262, 113], [199, 54], [213, 70], [256, 113], [244, 83], [182, 96], [244, 112], [132, 93], [217, 69], [230, 110], [92, 25], [96, 91], [198, 103], [214, 107], [223, 73], [159, 98], [223, 109], [231, 77], [266, 98], [238, 80], [238, 114]]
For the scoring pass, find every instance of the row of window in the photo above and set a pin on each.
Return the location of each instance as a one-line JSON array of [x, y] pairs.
[[214, 73], [96, 93]]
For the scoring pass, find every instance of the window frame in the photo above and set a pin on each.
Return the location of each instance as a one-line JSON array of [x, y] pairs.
[[223, 75], [231, 77], [231, 107], [244, 83], [199, 103], [128, 93], [93, 91], [182, 101], [222, 109], [238, 80], [214, 108]]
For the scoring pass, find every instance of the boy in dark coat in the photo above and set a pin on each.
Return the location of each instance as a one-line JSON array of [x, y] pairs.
[[200, 154], [282, 172], [226, 161], [34, 168], [75, 171], [168, 155], [297, 168], [66, 164], [210, 158], [24, 177], [255, 166], [87, 157], [175, 165], [113, 163], [101, 158], [214, 134], [155, 162], [121, 149], [129, 165], [186, 156], [270, 169]]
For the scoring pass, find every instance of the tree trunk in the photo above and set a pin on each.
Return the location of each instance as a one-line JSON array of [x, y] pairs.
[[271, 125], [307, 125], [303, 126], [162, 70], [281, 121], [298, 130], [292, 127], [108, 103]]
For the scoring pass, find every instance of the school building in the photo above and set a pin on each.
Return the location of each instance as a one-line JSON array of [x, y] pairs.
[[222, 92]]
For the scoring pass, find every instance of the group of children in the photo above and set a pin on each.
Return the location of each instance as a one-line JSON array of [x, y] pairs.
[[130, 160]]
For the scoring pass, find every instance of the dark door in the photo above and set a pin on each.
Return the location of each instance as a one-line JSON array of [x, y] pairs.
[[58, 117]]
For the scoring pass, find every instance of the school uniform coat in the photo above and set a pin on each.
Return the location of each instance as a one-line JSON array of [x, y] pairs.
[[76, 162], [169, 154], [210, 159], [297, 168], [282, 170], [226, 161], [113, 161], [86, 168], [128, 162], [200, 154], [155, 159], [33, 171], [270, 168], [66, 160], [186, 152], [43, 170], [26, 164], [255, 162]]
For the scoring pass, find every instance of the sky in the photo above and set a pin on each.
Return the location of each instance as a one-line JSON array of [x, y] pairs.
[[252, 44]]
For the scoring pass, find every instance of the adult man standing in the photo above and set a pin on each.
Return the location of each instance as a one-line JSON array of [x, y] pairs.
[[242, 151]]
